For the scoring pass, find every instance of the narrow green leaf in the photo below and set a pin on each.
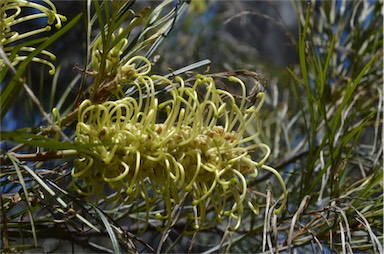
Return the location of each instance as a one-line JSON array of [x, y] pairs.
[[25, 191], [45, 186], [348, 94], [36, 140], [107, 11], [79, 216], [110, 231], [305, 76]]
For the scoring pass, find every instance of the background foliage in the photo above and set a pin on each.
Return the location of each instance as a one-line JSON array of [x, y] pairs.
[[323, 119]]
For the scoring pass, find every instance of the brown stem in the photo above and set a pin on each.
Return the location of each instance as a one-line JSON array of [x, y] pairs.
[[5, 230], [42, 156]]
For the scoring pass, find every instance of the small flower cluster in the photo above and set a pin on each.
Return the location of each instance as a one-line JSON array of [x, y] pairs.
[[112, 58], [200, 152], [114, 65], [10, 15]]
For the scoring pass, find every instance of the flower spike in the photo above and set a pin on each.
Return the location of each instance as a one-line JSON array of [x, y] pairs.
[[200, 151]]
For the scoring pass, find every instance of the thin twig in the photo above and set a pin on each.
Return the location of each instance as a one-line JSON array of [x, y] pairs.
[[46, 116], [5, 228], [42, 156]]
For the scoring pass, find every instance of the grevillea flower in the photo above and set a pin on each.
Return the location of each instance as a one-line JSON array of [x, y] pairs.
[[112, 56], [11, 15], [199, 153]]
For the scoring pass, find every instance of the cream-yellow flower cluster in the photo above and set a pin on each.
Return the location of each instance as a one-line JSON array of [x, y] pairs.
[[11, 14], [199, 153]]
